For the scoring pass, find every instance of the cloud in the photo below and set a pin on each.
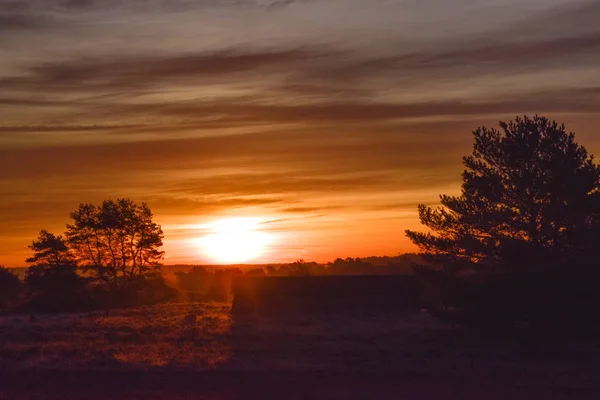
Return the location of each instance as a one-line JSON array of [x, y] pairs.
[[150, 71], [363, 109], [569, 20], [176, 205], [22, 22], [164, 119], [298, 85], [310, 210], [289, 182], [303, 70], [307, 151], [476, 57], [63, 128]]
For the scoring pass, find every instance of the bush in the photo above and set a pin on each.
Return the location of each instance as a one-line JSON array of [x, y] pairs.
[[150, 289], [56, 288], [201, 285], [10, 287], [562, 298], [53, 289], [141, 291]]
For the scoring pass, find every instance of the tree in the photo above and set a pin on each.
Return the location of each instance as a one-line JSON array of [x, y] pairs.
[[53, 283], [350, 266], [50, 250], [272, 270], [117, 240], [299, 268], [530, 188], [256, 272], [530, 204]]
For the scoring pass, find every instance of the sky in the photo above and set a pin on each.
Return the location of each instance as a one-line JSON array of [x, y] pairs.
[[326, 121]]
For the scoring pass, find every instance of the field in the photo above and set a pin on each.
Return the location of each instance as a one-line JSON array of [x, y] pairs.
[[195, 350]]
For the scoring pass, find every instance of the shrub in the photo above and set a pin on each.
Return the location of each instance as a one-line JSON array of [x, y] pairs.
[[56, 288], [141, 291], [201, 285], [519, 300], [10, 287]]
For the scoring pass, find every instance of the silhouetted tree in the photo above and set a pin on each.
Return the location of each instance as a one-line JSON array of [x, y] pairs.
[[350, 266], [299, 268], [10, 286], [117, 240], [198, 284], [255, 272], [49, 250], [272, 270], [53, 283], [529, 212], [195, 283]]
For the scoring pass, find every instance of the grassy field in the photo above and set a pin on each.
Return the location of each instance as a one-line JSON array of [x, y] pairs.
[[176, 335], [191, 349]]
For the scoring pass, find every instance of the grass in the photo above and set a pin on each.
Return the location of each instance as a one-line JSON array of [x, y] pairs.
[[137, 338], [175, 342]]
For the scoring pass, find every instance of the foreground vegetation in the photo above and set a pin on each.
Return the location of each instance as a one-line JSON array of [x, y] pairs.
[[204, 336], [189, 334], [134, 348]]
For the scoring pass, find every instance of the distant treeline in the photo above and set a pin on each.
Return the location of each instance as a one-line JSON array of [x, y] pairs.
[[214, 283], [66, 287]]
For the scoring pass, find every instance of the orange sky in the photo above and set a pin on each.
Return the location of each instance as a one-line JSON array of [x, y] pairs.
[[329, 121]]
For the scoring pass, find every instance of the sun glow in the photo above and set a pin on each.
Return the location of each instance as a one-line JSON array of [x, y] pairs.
[[235, 240]]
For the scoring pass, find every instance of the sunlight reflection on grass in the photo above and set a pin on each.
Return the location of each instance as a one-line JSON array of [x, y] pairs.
[[162, 335]]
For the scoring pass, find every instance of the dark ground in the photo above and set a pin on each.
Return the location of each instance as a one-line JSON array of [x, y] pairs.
[[277, 385], [161, 353]]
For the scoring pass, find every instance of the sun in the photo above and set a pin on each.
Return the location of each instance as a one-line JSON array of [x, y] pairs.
[[235, 240]]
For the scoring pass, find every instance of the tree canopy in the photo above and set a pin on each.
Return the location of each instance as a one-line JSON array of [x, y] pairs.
[[519, 246], [117, 239], [529, 191], [50, 250]]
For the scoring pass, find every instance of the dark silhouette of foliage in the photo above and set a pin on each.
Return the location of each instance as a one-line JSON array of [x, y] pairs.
[[272, 270], [325, 295], [401, 265], [117, 240], [194, 283], [256, 272], [50, 249], [200, 285], [56, 288], [141, 290], [521, 241], [350, 266], [10, 287], [300, 268], [53, 284]]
